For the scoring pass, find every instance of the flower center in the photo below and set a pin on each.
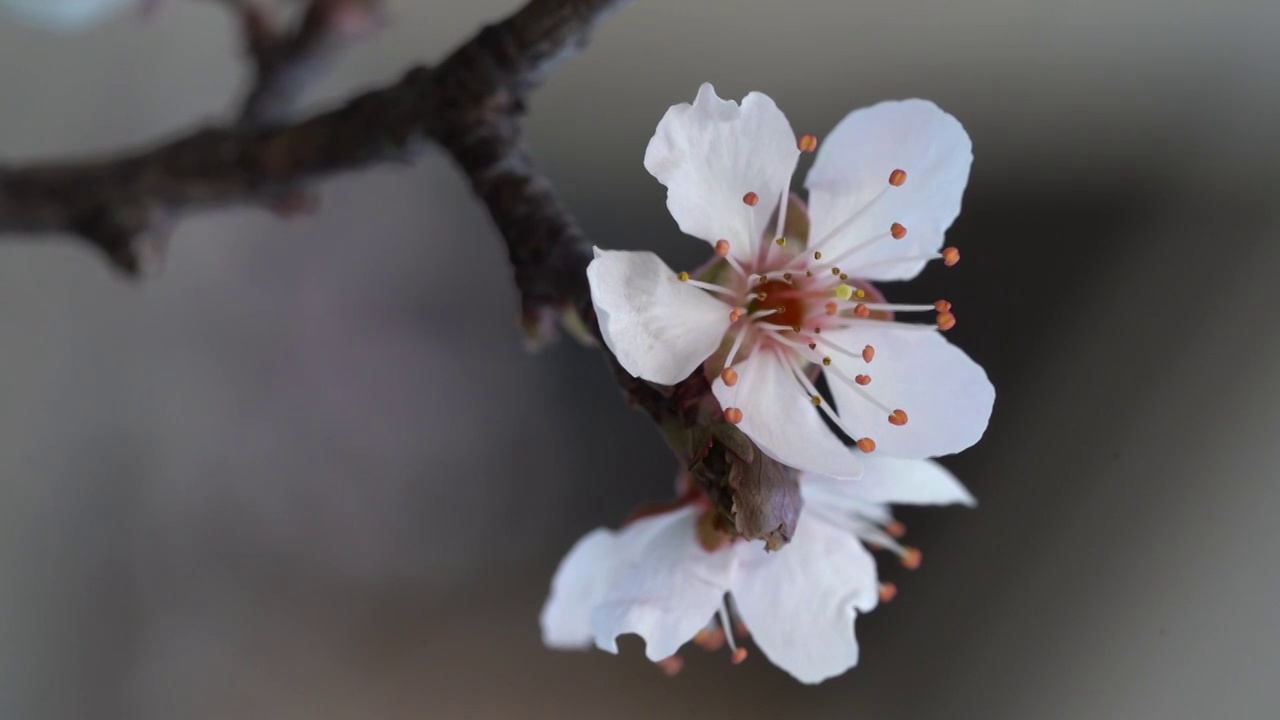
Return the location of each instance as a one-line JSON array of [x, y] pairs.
[[783, 299]]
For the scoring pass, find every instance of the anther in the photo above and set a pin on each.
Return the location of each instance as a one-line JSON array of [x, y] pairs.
[[816, 400], [826, 361], [709, 640], [730, 378], [831, 308], [895, 529], [950, 256], [911, 558], [888, 591], [859, 293], [670, 666], [898, 417], [817, 255], [807, 143], [844, 276], [683, 276], [867, 445], [733, 415], [835, 271], [946, 321], [868, 352], [861, 310], [942, 306], [897, 231], [844, 292], [738, 656], [735, 315], [813, 346], [862, 379], [786, 276], [897, 177], [795, 328], [722, 247], [781, 242], [751, 199], [817, 331]]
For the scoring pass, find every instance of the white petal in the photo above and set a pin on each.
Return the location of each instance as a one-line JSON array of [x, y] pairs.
[[778, 414], [712, 153], [800, 602], [886, 481], [577, 588], [65, 15], [945, 394], [851, 177], [660, 329], [668, 592]]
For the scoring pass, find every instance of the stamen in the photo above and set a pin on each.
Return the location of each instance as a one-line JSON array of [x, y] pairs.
[[807, 143], [733, 415], [722, 247], [709, 287], [911, 558], [724, 624], [897, 231], [888, 591], [867, 445], [730, 378], [751, 199], [946, 321], [897, 177], [898, 417], [950, 256]]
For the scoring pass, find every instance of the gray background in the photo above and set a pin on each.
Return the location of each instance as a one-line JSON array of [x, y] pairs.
[[310, 473]]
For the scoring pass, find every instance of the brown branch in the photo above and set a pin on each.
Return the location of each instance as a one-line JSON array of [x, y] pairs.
[[470, 104]]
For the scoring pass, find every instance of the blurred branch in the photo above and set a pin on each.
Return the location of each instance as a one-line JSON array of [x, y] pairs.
[[471, 105]]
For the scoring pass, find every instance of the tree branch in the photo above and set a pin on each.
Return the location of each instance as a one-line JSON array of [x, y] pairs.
[[471, 105]]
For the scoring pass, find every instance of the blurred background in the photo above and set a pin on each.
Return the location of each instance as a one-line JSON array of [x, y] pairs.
[[309, 471]]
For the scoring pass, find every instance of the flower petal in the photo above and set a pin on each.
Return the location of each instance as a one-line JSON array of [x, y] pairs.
[[711, 154], [779, 416], [659, 328], [945, 394], [667, 592], [800, 602], [886, 481], [850, 179]]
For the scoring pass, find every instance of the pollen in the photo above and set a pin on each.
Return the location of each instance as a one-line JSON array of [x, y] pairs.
[[683, 276], [722, 247], [897, 177], [861, 310], [950, 256], [844, 292], [911, 558], [738, 656], [942, 306], [897, 231], [868, 352], [862, 379], [751, 199], [867, 445], [946, 321], [730, 378], [898, 417], [888, 591], [816, 400], [733, 415], [826, 361], [807, 143], [831, 308]]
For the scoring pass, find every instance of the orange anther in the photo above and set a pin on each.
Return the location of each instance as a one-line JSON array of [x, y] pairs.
[[831, 308], [735, 315], [895, 529], [942, 306], [738, 656], [733, 415], [897, 177], [751, 199], [897, 417], [946, 321], [670, 666], [709, 639], [897, 231], [730, 378], [722, 247], [862, 379], [911, 558], [950, 256], [868, 352], [867, 445], [861, 310], [888, 591], [807, 143]]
